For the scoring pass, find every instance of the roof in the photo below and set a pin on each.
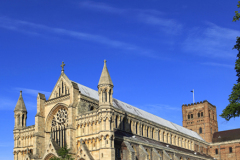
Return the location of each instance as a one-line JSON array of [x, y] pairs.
[[227, 135], [136, 111], [20, 106], [105, 77]]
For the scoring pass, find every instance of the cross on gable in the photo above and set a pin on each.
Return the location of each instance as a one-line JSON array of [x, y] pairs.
[[62, 66]]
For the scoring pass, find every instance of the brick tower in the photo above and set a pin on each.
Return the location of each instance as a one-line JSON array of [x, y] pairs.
[[201, 117]]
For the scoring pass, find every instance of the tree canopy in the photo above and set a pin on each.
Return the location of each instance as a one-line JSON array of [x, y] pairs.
[[233, 108], [64, 154], [237, 14]]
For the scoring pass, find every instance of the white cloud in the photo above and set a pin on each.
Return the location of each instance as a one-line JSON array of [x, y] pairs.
[[213, 41], [33, 92], [149, 16], [38, 29]]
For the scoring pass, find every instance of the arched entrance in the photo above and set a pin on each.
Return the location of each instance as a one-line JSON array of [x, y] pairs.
[[49, 156]]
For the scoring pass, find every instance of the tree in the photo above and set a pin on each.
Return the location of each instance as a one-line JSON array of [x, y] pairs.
[[237, 15], [233, 108], [64, 154]]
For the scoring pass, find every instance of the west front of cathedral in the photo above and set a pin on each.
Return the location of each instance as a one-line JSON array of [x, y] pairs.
[[96, 126]]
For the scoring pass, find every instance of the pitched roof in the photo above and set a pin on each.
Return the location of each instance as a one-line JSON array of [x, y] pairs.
[[227, 135], [20, 106], [105, 77], [136, 111]]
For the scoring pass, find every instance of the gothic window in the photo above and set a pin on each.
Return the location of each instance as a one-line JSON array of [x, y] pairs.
[[213, 117], [116, 123], [152, 133], [230, 149], [198, 114], [191, 115], [142, 129], [216, 151], [200, 130], [201, 114], [59, 91], [136, 128], [23, 120], [59, 124], [147, 132], [91, 108], [62, 88], [130, 126]]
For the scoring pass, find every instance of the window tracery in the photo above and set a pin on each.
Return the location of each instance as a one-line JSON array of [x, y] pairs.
[[59, 124]]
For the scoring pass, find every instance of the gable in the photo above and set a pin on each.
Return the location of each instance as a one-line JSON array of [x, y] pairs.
[[62, 87]]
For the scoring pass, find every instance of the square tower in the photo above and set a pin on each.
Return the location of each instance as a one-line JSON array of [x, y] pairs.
[[201, 117]]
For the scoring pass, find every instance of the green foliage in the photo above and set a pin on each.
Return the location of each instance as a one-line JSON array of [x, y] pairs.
[[233, 109], [237, 14], [63, 153]]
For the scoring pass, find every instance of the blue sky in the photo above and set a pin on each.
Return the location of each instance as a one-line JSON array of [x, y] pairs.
[[156, 52]]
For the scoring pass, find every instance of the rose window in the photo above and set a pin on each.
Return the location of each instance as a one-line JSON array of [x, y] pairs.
[[60, 117]]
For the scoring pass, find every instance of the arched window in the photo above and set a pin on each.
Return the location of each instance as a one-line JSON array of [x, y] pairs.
[[62, 88], [116, 122], [142, 129], [136, 128], [216, 151], [130, 126], [198, 114], [58, 128], [91, 108], [189, 116], [230, 149], [200, 130], [201, 114], [152, 133], [23, 120], [147, 131], [213, 117]]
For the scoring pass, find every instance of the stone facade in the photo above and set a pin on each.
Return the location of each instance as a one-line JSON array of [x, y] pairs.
[[95, 126]]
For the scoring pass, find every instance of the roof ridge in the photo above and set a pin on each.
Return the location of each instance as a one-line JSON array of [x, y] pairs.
[[134, 110]]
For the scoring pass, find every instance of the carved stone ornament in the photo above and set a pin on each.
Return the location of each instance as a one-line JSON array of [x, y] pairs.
[[61, 117]]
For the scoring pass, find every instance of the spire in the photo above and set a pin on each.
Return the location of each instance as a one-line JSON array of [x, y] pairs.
[[20, 106], [105, 78]]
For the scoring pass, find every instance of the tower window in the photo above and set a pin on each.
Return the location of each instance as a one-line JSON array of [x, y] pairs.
[[216, 151], [211, 130], [201, 114], [213, 117], [188, 116], [200, 130], [230, 149], [198, 114], [191, 115]]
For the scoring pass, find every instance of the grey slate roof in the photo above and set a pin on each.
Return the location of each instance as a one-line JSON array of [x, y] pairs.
[[136, 111]]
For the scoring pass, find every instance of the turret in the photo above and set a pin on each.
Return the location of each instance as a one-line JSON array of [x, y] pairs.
[[105, 88], [20, 113]]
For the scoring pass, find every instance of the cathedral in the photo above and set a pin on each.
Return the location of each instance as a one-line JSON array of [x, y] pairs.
[[96, 126]]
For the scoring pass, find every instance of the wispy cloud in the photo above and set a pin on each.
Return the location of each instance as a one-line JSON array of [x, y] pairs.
[[212, 41], [218, 65], [33, 92], [163, 107], [38, 29], [148, 16]]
